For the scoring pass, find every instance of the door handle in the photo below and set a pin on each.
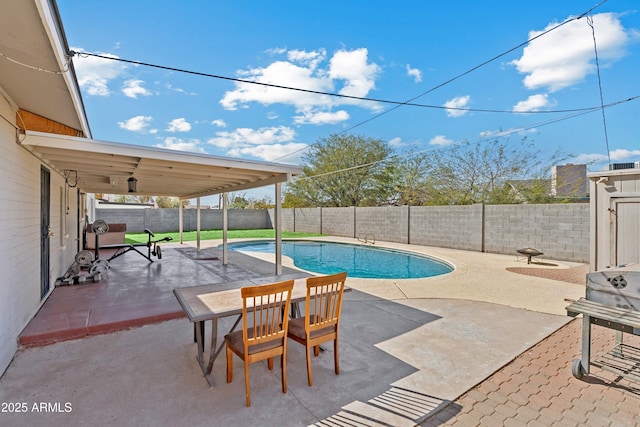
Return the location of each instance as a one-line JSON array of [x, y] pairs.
[[50, 232]]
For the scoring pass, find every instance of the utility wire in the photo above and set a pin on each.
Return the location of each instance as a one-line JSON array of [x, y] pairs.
[[604, 117], [32, 67], [337, 95], [397, 104], [409, 101], [480, 139]]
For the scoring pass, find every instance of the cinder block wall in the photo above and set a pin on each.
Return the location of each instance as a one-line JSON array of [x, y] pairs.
[[384, 223], [561, 231], [457, 227], [164, 220], [307, 220], [338, 222]]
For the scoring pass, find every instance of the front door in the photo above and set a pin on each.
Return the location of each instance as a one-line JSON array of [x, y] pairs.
[[45, 230]]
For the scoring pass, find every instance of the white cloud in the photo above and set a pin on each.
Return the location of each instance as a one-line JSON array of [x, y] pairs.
[[617, 155], [136, 124], [533, 103], [441, 140], [457, 102], [278, 73], [565, 56], [246, 137], [219, 123], [133, 88], [622, 154], [321, 117], [179, 144], [396, 142], [271, 152], [353, 67], [94, 74], [312, 59], [415, 73], [179, 125], [348, 72], [268, 143]]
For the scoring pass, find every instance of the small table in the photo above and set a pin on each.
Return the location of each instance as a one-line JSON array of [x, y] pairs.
[[203, 302], [529, 253]]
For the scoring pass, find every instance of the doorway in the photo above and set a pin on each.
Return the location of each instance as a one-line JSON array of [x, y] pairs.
[[45, 230]]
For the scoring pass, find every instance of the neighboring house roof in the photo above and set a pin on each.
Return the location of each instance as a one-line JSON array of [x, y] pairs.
[[49, 108]]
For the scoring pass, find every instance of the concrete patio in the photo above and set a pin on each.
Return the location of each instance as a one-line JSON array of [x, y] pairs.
[[411, 351]]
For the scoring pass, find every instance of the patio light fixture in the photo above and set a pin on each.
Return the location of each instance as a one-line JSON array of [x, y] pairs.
[[132, 183]]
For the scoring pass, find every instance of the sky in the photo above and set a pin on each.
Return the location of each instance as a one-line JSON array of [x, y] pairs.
[[469, 71]]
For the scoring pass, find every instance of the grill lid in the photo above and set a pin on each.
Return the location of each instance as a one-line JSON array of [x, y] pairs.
[[616, 287]]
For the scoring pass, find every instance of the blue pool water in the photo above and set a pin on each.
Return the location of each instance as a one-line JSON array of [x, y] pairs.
[[357, 260]]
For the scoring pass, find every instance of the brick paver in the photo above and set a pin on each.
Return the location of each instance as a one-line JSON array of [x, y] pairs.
[[548, 394]]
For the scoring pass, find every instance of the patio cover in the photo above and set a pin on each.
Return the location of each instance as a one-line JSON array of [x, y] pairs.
[[104, 167]]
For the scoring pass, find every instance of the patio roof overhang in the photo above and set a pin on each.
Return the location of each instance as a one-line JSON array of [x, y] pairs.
[[104, 167]]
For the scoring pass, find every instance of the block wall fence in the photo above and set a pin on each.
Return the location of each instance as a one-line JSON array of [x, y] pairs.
[[561, 231]]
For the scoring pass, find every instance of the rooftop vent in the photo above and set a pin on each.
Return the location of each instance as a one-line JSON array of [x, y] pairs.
[[630, 165]]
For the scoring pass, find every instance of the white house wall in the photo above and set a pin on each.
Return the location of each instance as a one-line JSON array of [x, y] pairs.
[[20, 234]]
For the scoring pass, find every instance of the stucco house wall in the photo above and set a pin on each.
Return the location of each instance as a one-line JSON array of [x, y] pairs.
[[20, 233]]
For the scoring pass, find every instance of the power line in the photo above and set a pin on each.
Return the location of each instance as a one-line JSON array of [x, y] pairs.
[[476, 67], [409, 101], [480, 139], [604, 117], [337, 95], [397, 104]]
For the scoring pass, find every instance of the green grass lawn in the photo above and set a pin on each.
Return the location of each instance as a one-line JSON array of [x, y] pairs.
[[188, 236]]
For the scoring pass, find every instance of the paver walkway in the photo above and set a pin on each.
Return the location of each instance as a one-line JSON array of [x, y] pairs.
[[538, 389]]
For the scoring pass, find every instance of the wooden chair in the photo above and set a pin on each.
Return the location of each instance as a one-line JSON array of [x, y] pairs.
[[265, 315], [321, 321]]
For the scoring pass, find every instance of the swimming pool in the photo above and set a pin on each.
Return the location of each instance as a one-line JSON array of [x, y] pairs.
[[357, 260]]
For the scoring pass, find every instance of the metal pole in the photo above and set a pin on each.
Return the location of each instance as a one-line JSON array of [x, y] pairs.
[[198, 225], [278, 218], [225, 226]]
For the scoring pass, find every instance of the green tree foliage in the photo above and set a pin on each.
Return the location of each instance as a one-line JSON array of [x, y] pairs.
[[126, 198], [242, 201], [167, 202], [343, 170], [410, 177], [493, 173]]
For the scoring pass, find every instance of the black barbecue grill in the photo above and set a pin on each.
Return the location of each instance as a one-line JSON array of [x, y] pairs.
[[612, 301]]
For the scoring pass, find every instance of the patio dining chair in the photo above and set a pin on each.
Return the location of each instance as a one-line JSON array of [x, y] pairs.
[[265, 315], [321, 321]]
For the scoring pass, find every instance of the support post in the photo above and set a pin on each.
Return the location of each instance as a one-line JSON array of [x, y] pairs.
[[225, 227], [198, 225], [278, 219], [181, 221]]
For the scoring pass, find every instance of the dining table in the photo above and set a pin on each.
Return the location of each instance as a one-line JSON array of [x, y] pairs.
[[202, 303]]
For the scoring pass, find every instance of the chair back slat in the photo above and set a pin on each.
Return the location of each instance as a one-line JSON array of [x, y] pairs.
[[265, 312], [324, 300]]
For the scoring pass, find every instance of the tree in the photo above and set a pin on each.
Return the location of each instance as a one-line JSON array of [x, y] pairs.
[[410, 177], [167, 202], [343, 170], [480, 173], [126, 198]]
